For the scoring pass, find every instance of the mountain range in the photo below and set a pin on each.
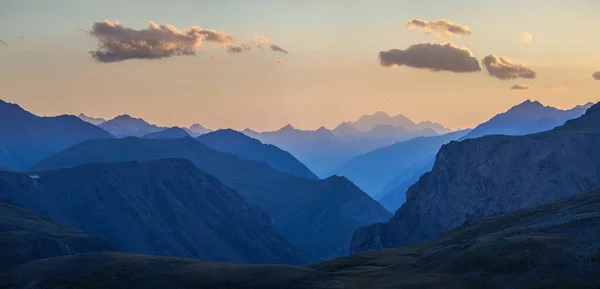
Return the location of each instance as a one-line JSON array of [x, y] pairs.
[[324, 150], [554, 246], [169, 133], [386, 173], [164, 207], [231, 141], [25, 138], [373, 170], [317, 216], [126, 125], [480, 177]]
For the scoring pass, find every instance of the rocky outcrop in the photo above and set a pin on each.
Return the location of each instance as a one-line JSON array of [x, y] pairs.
[[162, 207], [480, 177]]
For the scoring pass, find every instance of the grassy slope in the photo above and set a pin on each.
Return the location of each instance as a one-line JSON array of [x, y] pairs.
[[554, 246]]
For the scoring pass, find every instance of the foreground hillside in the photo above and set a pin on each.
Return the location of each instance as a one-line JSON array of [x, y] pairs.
[[25, 237], [317, 216], [552, 246], [162, 207], [480, 177]]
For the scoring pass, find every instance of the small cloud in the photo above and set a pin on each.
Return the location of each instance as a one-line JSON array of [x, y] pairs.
[[216, 57], [505, 69], [440, 29], [596, 75], [521, 87], [263, 42], [554, 86], [232, 49], [526, 37], [387, 99], [280, 62], [83, 31], [431, 56], [277, 48], [2, 43]]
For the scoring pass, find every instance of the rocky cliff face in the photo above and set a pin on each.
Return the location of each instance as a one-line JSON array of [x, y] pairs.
[[162, 207], [480, 177]]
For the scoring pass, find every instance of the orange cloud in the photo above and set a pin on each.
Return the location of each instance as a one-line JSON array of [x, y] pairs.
[[216, 57], [596, 75], [440, 29]]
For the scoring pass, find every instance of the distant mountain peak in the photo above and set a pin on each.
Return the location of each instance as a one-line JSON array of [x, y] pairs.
[[288, 127], [381, 114], [92, 120]]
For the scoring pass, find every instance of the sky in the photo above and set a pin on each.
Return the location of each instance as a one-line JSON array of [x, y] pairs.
[[331, 74]]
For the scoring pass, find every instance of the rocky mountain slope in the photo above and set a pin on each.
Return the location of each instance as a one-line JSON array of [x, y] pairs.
[[553, 246], [25, 237], [26, 138], [480, 177], [237, 143], [317, 216], [164, 207], [373, 170]]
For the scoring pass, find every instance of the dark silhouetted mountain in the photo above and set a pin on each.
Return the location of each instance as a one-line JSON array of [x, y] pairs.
[[323, 150], [373, 170], [172, 132], [25, 237], [231, 141], [125, 125], [317, 216], [369, 122], [527, 118], [480, 177], [164, 207], [554, 247], [92, 120], [198, 129], [25, 138]]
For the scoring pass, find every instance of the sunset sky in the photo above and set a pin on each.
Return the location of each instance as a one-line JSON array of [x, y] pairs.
[[331, 74]]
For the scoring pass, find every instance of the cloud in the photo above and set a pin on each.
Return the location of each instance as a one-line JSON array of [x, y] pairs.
[[596, 75], [504, 69], [280, 62], [440, 29], [526, 37], [387, 99], [432, 56], [277, 48], [521, 87], [2, 43], [118, 43], [216, 57], [554, 86], [232, 49], [264, 42]]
